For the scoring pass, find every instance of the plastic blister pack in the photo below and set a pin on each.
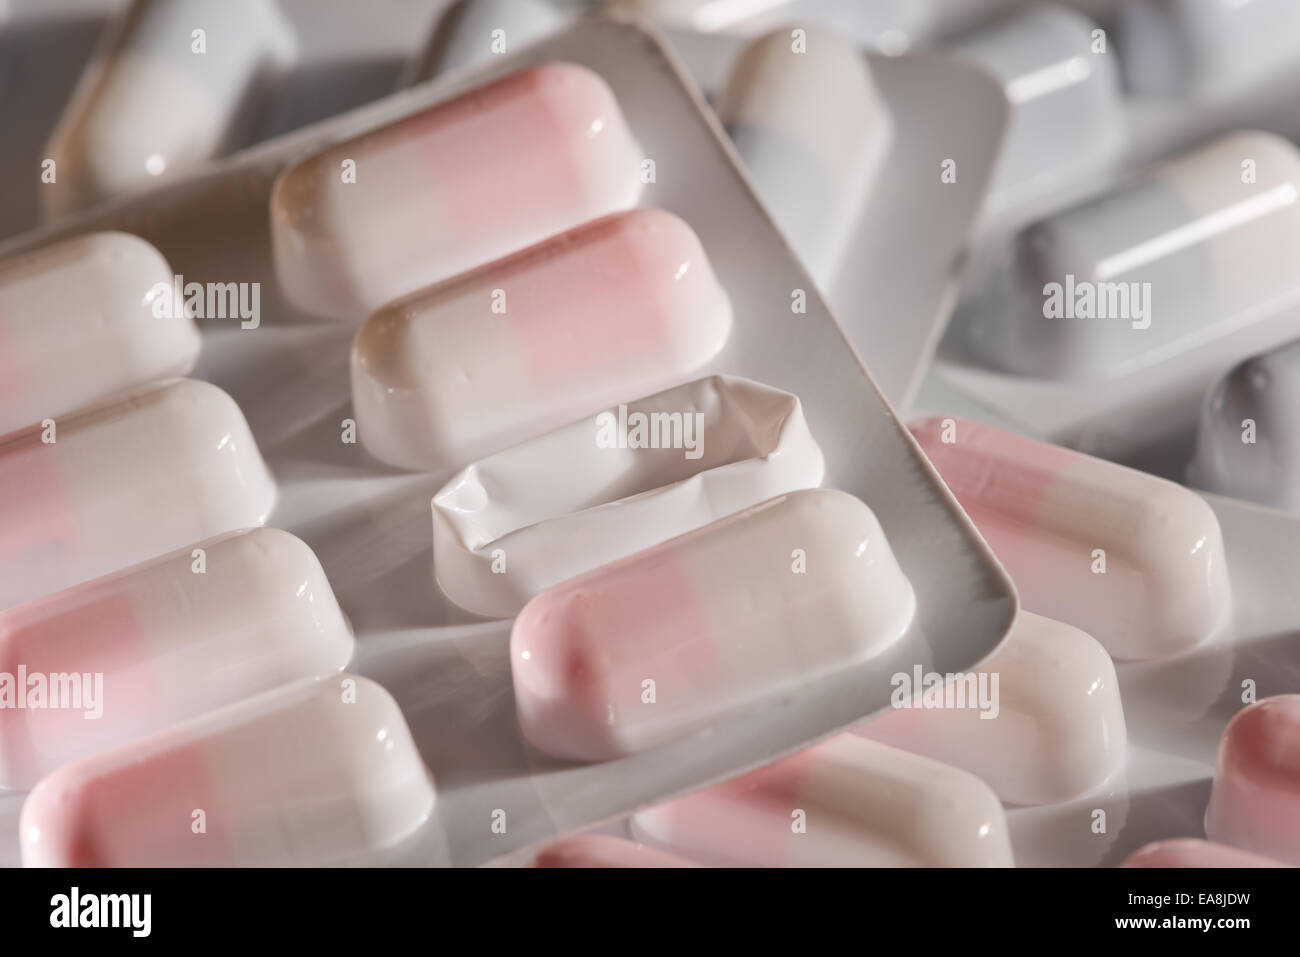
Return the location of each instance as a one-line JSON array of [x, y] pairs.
[[547, 372], [370, 525]]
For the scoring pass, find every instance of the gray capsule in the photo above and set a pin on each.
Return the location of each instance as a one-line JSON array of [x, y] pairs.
[[1190, 47], [1248, 443], [1185, 256]]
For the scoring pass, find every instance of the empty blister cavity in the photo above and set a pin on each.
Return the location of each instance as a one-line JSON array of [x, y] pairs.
[[847, 802], [174, 87], [814, 132], [614, 483], [602, 850], [1062, 83], [740, 612], [1194, 852], [123, 481], [314, 772], [1134, 560], [455, 185], [472, 32], [619, 307], [162, 642], [1255, 801], [77, 324], [1040, 721], [1185, 255], [1191, 47], [1248, 441]]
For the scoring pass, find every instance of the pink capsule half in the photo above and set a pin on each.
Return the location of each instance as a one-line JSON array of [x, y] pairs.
[[1255, 801]]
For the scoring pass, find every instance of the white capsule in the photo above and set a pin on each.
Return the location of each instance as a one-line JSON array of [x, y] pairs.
[[1248, 442], [123, 481], [1191, 48], [164, 641], [172, 88], [451, 187], [77, 325], [315, 772], [614, 483], [624, 305], [847, 802], [1136, 561], [1040, 721], [1182, 257], [1063, 87], [813, 132], [472, 32], [739, 612]]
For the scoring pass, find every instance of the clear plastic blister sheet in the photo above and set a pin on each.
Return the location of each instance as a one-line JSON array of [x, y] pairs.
[[370, 525]]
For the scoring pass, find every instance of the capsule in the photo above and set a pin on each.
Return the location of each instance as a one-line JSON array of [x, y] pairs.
[[1134, 560], [315, 772], [1193, 852], [472, 32], [1040, 721], [1255, 800], [847, 802], [1248, 440], [459, 184], [117, 483], [601, 850], [1189, 48], [1063, 89], [742, 611], [608, 485], [77, 325], [171, 89], [814, 133], [1176, 260], [620, 307], [165, 641]]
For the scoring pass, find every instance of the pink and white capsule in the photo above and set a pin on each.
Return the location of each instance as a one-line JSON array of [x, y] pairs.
[[618, 308], [315, 772], [459, 184], [1052, 730], [124, 481], [847, 802], [738, 612], [165, 641], [1134, 560]]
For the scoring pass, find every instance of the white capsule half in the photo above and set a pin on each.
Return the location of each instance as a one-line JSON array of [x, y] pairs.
[[847, 802], [124, 481], [77, 324], [315, 772], [614, 483], [162, 642], [1040, 721], [814, 133], [173, 87]]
